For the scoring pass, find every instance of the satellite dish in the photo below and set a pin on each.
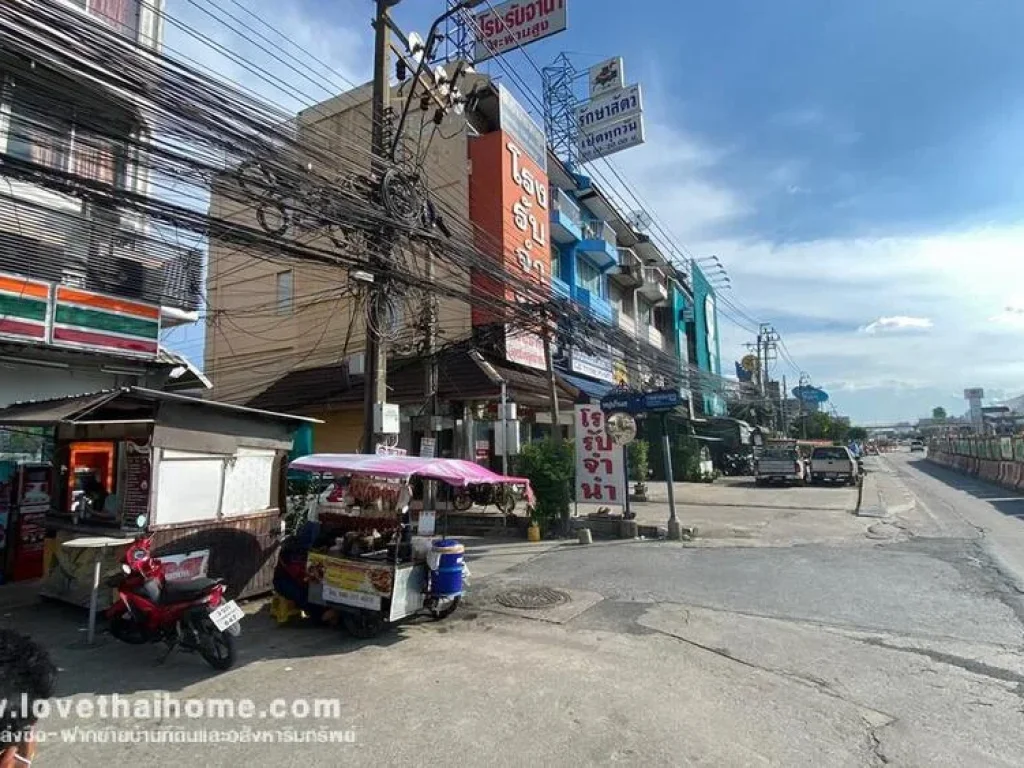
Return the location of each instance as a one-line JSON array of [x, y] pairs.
[[441, 81], [416, 46]]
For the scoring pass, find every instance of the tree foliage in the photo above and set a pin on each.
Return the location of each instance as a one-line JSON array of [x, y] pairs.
[[939, 413]]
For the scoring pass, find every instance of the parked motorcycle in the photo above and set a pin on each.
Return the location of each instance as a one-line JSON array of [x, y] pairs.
[[504, 497], [737, 464], [188, 614]]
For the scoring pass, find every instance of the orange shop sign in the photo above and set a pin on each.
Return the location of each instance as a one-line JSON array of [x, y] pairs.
[[509, 205]]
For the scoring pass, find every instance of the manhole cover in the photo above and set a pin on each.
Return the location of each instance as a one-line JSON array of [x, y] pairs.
[[533, 597]]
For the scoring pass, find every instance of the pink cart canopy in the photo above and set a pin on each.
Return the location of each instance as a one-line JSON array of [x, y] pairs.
[[456, 472]]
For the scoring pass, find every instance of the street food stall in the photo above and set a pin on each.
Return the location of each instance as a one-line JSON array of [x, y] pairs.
[[207, 478], [359, 556]]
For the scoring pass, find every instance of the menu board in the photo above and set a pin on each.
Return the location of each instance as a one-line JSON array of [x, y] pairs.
[[135, 493]]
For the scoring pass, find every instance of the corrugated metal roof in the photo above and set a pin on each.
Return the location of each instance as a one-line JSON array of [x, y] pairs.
[[75, 407], [53, 411], [459, 378]]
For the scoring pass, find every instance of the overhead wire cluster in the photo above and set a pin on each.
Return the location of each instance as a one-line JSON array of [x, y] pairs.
[[193, 132]]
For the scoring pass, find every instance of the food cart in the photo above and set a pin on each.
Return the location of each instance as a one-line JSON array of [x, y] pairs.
[[359, 557], [206, 476]]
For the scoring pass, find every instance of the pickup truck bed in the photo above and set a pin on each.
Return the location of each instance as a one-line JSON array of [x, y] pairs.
[[778, 469]]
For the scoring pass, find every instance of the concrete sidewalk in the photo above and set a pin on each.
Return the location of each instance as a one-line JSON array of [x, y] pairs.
[[734, 512]]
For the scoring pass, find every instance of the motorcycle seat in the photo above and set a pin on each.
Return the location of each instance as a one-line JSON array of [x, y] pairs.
[[188, 589]]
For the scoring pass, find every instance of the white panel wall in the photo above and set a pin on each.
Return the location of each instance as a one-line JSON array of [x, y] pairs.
[[247, 482]]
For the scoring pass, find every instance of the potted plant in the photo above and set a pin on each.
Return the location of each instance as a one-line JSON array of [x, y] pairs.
[[549, 466]]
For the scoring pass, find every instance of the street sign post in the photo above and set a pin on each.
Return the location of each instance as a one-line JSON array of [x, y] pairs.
[[661, 401]]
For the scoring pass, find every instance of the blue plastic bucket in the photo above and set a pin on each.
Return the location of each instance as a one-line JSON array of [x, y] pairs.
[[446, 581]]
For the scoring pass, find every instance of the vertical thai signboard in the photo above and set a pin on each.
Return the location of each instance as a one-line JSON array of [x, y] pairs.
[[599, 472], [612, 119], [510, 208]]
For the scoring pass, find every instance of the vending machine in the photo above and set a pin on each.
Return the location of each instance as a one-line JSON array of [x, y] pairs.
[[7, 469], [29, 505]]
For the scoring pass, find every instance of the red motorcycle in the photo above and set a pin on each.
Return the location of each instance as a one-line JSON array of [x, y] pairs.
[[189, 614]]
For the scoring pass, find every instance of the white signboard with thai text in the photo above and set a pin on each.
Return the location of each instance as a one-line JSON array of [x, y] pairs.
[[509, 25], [514, 120], [596, 365], [612, 138], [599, 467], [524, 348], [609, 107]]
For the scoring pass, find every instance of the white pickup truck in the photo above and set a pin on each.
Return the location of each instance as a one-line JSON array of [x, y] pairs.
[[834, 464], [779, 464]]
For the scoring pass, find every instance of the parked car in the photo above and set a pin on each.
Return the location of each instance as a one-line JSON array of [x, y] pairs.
[[834, 464], [780, 464], [916, 445]]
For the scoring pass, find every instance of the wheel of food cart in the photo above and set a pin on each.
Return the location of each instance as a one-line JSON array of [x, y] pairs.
[[444, 607], [505, 499], [363, 623]]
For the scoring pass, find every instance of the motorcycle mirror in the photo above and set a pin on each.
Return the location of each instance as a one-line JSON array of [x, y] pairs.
[[140, 521], [125, 569]]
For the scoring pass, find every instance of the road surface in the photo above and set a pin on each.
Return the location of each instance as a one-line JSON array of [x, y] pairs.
[[842, 652]]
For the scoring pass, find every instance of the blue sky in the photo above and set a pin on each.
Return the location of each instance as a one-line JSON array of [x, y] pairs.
[[856, 166]]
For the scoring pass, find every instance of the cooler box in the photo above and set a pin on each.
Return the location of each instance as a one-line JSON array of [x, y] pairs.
[[446, 561]]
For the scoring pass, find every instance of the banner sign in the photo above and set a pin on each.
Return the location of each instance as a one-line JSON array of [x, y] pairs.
[[596, 366], [607, 76], [514, 120], [512, 24], [524, 348], [609, 107], [599, 469], [612, 138]]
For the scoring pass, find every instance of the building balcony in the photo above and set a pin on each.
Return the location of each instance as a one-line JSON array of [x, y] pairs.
[[655, 337], [598, 243], [655, 286], [625, 322], [566, 220], [560, 288], [630, 272], [96, 249], [601, 309]]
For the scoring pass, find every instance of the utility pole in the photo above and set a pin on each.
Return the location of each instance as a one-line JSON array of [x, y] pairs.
[[783, 397], [375, 380], [549, 364]]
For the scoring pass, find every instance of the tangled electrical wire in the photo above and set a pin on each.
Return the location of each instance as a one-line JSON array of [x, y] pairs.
[[285, 189]]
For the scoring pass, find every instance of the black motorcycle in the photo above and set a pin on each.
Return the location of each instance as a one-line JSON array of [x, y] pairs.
[[737, 464]]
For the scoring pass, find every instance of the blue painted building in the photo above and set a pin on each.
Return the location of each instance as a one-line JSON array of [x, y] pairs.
[[705, 346], [602, 264]]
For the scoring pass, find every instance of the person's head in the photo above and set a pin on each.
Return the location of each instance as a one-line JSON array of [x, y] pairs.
[[27, 675]]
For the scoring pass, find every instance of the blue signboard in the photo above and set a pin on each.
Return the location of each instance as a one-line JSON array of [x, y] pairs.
[[642, 402]]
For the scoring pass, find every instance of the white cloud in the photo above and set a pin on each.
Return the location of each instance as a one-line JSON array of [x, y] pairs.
[[898, 323]]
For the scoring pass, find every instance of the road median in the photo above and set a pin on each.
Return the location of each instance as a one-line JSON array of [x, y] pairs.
[[882, 494]]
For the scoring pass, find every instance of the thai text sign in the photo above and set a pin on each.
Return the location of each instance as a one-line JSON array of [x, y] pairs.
[[509, 205], [349, 575], [599, 470], [609, 107], [612, 138], [509, 25], [514, 120]]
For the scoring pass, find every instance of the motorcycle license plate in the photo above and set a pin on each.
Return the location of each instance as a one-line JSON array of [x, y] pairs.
[[226, 615]]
